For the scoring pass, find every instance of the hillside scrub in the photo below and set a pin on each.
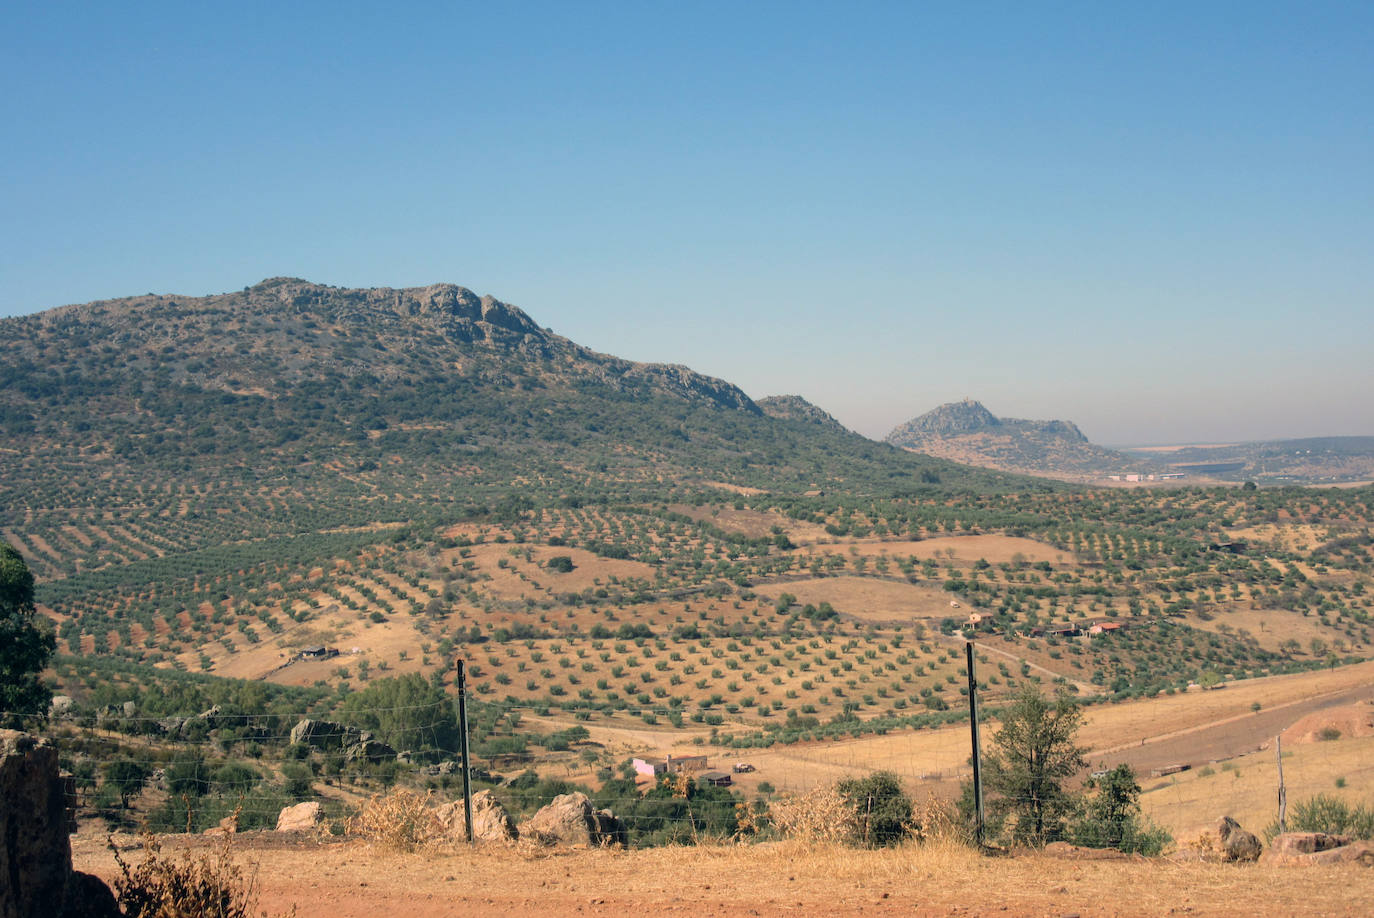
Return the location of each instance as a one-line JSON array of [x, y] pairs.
[[1325, 813]]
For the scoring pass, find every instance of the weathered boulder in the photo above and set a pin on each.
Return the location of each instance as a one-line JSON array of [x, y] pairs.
[[325, 734], [490, 821], [1306, 842], [1227, 841], [172, 726], [570, 819], [303, 817], [36, 877], [369, 750], [1305, 849]]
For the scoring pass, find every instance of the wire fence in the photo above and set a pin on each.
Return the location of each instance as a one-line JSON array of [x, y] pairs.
[[179, 773]]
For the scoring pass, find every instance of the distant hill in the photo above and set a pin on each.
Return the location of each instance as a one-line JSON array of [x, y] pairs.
[[796, 408], [291, 407], [968, 432], [1310, 460]]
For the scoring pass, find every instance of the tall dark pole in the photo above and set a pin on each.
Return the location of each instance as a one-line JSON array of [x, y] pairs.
[[977, 756], [463, 730]]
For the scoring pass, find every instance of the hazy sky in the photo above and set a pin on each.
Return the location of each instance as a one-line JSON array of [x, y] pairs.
[[1154, 219]]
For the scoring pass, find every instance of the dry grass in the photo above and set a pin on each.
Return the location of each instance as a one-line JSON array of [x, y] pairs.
[[820, 815], [401, 820], [788, 877], [1246, 788], [206, 884]]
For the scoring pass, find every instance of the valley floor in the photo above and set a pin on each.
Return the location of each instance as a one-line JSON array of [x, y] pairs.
[[351, 879]]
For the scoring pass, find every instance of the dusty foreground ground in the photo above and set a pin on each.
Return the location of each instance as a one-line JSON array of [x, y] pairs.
[[352, 879]]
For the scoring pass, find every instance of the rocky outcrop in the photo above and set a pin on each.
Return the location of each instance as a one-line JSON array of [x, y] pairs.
[[357, 745], [369, 750], [1228, 842], [35, 853], [571, 819], [796, 408], [303, 817], [490, 821], [1308, 849], [325, 734]]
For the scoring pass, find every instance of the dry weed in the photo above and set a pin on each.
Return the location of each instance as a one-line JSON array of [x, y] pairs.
[[821, 814], [402, 820], [208, 885], [938, 821]]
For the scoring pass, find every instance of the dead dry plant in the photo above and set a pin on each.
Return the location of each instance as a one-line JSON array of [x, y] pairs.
[[938, 821], [821, 814], [401, 820], [206, 885]]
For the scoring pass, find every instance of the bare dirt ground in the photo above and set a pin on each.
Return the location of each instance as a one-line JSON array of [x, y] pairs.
[[352, 879]]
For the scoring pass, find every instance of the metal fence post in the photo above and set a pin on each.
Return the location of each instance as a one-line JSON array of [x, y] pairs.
[[463, 732], [977, 755]]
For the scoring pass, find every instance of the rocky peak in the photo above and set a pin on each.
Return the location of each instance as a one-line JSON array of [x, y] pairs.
[[947, 420], [796, 408]]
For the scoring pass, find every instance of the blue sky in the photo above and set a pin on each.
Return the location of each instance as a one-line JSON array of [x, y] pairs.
[[1156, 220]]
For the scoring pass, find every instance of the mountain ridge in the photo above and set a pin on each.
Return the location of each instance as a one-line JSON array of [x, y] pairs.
[[966, 431]]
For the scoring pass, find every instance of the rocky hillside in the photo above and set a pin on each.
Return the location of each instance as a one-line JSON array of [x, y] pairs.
[[968, 432], [290, 407], [796, 408]]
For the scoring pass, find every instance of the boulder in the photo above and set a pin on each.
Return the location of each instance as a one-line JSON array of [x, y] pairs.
[[303, 817], [1306, 842], [172, 726], [325, 734], [490, 821], [1306, 849], [570, 819], [369, 750], [1227, 841], [35, 853]]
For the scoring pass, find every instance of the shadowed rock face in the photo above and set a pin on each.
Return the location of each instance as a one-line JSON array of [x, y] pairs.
[[36, 877], [571, 819]]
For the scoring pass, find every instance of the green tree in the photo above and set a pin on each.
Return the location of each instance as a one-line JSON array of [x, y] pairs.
[[882, 810], [1111, 817], [126, 777], [407, 712], [1033, 754], [24, 646]]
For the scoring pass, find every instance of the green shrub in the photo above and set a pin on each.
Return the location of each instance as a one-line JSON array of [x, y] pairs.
[[882, 809], [1325, 813]]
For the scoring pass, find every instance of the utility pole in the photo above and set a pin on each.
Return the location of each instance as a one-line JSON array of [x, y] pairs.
[[977, 755], [1283, 791], [463, 731]]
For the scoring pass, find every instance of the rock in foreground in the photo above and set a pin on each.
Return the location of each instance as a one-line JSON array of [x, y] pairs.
[[571, 819]]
